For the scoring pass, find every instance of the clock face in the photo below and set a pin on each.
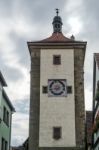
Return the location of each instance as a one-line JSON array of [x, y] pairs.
[[57, 87]]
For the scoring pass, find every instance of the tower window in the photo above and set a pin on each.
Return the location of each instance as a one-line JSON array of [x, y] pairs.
[[44, 89], [56, 133], [55, 25], [69, 89], [56, 59]]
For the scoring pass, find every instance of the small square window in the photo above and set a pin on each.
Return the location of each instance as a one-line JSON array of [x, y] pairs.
[[56, 133], [69, 89], [56, 59], [44, 90]]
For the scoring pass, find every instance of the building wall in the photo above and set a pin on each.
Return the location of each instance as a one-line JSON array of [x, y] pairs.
[[0, 91], [57, 111], [34, 101], [97, 79], [79, 55], [4, 129], [97, 73], [34, 120], [0, 100], [96, 135]]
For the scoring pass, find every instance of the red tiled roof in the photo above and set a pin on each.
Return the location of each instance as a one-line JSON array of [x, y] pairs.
[[97, 59], [56, 37]]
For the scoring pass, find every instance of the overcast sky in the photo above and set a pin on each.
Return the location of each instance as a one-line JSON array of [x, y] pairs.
[[30, 20]]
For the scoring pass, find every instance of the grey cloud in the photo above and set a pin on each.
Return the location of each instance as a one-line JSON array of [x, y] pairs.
[[6, 7], [90, 18], [22, 106], [11, 73], [20, 128], [34, 10], [18, 140], [38, 11], [21, 48], [37, 14]]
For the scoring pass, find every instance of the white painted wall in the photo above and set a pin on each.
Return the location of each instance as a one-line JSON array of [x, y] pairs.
[[57, 111]]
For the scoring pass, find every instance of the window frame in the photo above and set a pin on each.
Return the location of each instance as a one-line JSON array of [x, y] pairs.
[[57, 133], [69, 89], [6, 116], [4, 144], [56, 59], [44, 89]]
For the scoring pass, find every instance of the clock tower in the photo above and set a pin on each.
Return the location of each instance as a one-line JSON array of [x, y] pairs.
[[57, 113]]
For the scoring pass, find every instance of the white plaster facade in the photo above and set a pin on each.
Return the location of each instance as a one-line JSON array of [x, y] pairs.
[[57, 111]]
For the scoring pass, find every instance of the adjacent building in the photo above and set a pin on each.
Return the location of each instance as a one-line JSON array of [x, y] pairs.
[[6, 110], [88, 130], [96, 102], [57, 111]]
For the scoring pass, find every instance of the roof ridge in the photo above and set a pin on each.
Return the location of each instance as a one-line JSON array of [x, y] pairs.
[[56, 37]]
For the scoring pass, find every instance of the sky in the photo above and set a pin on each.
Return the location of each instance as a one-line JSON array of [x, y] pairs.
[[31, 20]]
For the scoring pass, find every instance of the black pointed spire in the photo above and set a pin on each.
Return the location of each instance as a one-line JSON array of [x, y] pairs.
[[57, 22]]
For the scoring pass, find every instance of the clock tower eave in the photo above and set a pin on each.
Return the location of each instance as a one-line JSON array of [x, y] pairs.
[[57, 45]]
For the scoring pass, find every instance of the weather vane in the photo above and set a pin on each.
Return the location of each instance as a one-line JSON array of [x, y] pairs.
[[57, 11]]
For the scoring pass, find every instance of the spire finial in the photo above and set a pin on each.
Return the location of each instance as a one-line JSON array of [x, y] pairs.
[[57, 11], [57, 22]]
